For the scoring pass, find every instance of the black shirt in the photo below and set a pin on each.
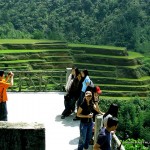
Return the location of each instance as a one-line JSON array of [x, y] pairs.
[[86, 110]]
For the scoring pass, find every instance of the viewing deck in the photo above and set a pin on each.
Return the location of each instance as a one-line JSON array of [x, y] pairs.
[[45, 108]]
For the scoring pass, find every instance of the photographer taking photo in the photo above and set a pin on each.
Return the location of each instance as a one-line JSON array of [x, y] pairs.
[[4, 85]]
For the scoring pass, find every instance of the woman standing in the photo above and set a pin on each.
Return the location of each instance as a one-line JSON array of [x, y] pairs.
[[73, 94], [85, 112], [85, 83]]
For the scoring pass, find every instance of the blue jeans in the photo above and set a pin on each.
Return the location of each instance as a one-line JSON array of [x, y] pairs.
[[85, 135]]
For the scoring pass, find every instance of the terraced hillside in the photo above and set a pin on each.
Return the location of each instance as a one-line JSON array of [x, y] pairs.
[[118, 72]]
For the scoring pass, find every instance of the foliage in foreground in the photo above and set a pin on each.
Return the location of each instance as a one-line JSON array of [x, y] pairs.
[[133, 117], [131, 144]]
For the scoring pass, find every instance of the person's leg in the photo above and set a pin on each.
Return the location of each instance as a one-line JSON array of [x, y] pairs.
[[66, 111], [88, 135], [73, 103], [3, 111], [83, 132]]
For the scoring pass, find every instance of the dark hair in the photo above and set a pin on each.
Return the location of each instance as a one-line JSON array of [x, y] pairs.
[[86, 73], [77, 72], [1, 73], [112, 121], [113, 110]]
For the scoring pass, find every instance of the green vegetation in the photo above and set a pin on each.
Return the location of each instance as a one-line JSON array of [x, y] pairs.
[[25, 41], [116, 22], [132, 144], [133, 119], [96, 46], [118, 72]]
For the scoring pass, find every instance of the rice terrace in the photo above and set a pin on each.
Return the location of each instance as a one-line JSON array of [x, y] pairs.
[[118, 71]]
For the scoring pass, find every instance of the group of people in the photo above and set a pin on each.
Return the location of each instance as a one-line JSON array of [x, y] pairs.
[[81, 92]]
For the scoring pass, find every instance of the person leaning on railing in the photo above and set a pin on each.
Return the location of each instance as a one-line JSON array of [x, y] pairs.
[[4, 85], [105, 136]]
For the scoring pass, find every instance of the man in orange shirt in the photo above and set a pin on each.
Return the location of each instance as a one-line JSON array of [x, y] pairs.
[[4, 85]]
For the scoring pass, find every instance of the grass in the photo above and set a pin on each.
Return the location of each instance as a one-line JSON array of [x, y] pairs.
[[97, 46], [135, 55], [119, 98], [24, 41], [21, 61], [31, 51], [57, 57], [131, 56], [110, 85], [140, 79], [89, 64]]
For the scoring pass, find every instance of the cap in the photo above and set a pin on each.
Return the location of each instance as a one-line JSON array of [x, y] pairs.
[[88, 93], [98, 90]]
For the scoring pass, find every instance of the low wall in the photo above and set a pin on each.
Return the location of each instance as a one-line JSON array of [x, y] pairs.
[[22, 136]]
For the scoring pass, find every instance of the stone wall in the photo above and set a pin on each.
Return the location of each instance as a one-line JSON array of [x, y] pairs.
[[22, 136]]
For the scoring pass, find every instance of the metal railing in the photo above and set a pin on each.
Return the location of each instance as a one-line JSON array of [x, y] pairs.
[[43, 81]]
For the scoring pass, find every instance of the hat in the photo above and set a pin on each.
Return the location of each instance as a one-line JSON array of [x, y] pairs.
[[88, 93], [98, 90]]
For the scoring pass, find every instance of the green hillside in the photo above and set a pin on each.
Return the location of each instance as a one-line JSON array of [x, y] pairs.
[[117, 71]]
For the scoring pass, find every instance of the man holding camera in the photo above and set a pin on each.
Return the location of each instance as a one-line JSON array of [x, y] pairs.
[[4, 85]]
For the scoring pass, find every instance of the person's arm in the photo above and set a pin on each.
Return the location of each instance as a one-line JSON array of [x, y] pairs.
[[83, 116], [68, 82], [8, 76], [101, 139], [96, 146], [96, 108], [12, 80], [87, 84]]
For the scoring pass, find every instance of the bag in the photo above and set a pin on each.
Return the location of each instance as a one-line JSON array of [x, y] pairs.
[[90, 86]]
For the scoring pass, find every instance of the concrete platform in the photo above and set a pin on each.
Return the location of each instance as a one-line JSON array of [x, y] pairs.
[[45, 108]]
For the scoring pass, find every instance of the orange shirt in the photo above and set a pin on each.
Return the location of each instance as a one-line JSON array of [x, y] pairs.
[[3, 90]]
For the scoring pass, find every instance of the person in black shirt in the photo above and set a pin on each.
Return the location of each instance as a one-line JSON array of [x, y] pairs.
[[104, 138], [85, 112]]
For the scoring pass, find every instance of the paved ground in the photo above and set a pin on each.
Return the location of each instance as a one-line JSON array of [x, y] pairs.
[[45, 108]]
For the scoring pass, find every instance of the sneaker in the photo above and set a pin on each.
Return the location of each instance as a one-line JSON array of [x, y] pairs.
[[91, 142], [76, 118]]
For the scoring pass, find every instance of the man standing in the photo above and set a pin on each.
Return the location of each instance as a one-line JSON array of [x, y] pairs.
[[104, 137], [4, 85]]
